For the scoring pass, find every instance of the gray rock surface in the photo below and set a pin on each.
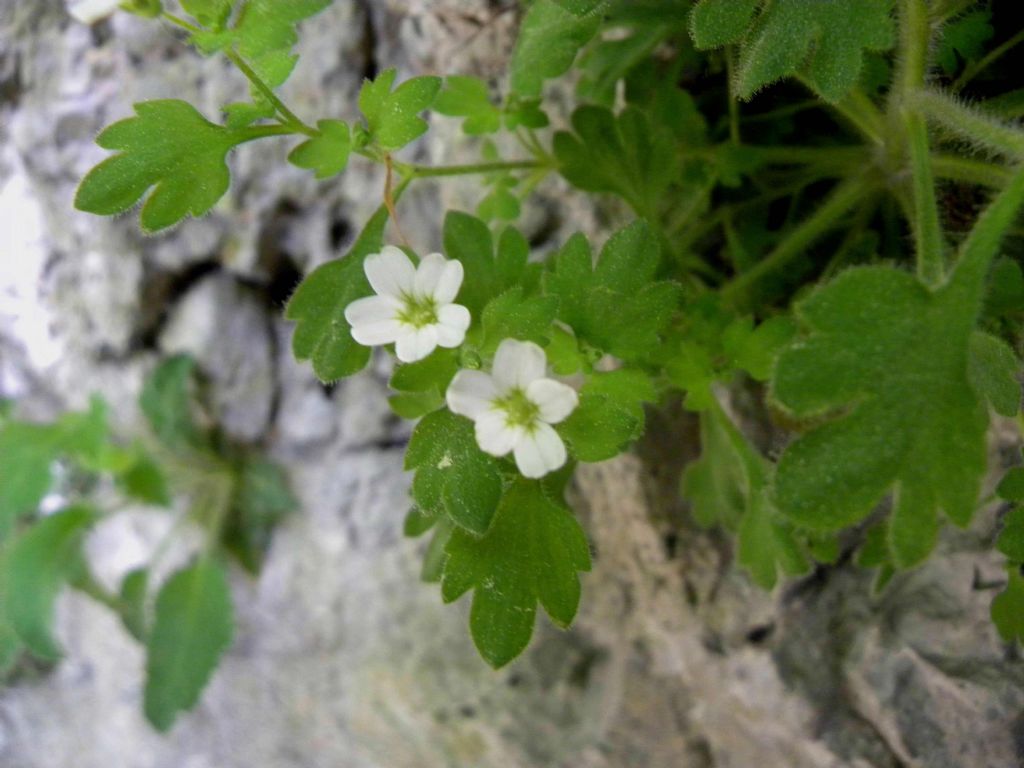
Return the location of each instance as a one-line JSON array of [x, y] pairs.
[[342, 658]]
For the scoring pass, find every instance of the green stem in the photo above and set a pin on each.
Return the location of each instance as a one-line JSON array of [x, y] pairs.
[[287, 116], [956, 168], [734, 104], [972, 125], [972, 69], [927, 230], [915, 34], [411, 170], [982, 245], [844, 197]]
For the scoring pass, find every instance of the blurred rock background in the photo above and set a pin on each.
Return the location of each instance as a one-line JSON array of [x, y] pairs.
[[342, 658]]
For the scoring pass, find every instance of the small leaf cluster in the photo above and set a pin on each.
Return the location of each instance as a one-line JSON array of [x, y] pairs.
[[185, 623]]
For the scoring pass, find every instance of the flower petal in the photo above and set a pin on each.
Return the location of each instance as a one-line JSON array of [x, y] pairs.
[[379, 333], [454, 320], [540, 451], [372, 309], [494, 434], [555, 399], [390, 272], [517, 363], [438, 278], [416, 344], [471, 394], [449, 282]]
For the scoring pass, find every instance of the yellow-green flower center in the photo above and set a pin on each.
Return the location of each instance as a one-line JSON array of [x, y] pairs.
[[520, 411], [419, 311]]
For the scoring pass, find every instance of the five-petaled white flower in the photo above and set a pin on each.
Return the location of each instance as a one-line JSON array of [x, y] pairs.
[[413, 307], [514, 407]]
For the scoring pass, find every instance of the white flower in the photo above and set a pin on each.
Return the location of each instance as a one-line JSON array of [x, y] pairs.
[[514, 407], [413, 307], [90, 11]]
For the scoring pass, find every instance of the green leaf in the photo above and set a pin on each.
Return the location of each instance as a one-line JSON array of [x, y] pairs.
[[717, 485], [511, 316], [433, 372], [166, 402], [714, 23], [993, 373], [170, 147], [468, 97], [1005, 289], [10, 644], [550, 36], [145, 481], [469, 240], [38, 563], [894, 357], [563, 352], [453, 476], [327, 153], [754, 349], [242, 114], [531, 554], [790, 37], [210, 13], [627, 155], [766, 545], [134, 589], [192, 628], [1008, 608], [728, 486], [610, 414], [965, 36], [322, 335], [262, 498], [265, 34], [616, 305], [29, 450], [1011, 487], [887, 361], [392, 116], [1011, 537]]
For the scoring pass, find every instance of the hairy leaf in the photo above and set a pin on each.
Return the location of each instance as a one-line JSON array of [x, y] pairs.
[[824, 41], [609, 416], [327, 153], [550, 36], [531, 554], [468, 97], [393, 116], [192, 628], [615, 305], [627, 155], [169, 147], [453, 476], [322, 335], [261, 499]]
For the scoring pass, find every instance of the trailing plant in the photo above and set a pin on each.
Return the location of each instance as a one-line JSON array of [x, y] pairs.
[[61, 480], [819, 247]]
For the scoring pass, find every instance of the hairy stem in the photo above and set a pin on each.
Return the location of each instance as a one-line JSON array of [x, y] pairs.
[[915, 32], [970, 124], [957, 168]]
